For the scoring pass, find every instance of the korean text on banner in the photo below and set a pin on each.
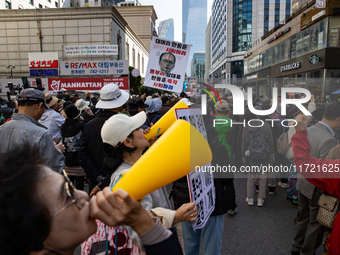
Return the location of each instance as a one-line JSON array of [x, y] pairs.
[[167, 64], [91, 50], [201, 183], [96, 67]]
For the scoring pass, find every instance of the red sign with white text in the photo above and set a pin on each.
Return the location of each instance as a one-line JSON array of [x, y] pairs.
[[85, 84]]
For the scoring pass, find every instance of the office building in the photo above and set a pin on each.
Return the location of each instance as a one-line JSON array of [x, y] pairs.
[[236, 26], [303, 52], [166, 29], [194, 23]]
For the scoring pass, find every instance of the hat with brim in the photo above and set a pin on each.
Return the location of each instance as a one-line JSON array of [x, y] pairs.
[[32, 94], [292, 111], [120, 126], [50, 100], [112, 97], [81, 104], [72, 112]]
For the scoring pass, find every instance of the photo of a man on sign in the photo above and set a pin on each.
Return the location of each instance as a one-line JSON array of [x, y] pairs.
[[167, 62]]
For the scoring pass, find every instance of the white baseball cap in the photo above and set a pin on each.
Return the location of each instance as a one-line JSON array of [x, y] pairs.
[[120, 126], [112, 97]]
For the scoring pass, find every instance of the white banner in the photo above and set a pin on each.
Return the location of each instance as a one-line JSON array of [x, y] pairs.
[[201, 184], [167, 64], [91, 50], [94, 67]]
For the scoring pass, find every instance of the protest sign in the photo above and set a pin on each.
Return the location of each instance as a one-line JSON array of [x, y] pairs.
[[167, 64], [201, 183]]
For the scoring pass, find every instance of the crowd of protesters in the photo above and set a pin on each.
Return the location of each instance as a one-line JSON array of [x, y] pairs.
[[91, 140]]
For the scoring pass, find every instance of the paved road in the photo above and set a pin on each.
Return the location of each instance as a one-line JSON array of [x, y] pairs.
[[259, 230]]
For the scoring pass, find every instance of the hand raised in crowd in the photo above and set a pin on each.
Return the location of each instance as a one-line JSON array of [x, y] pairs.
[[87, 93], [118, 208], [301, 120], [94, 191], [312, 98], [187, 212], [88, 111], [60, 147]]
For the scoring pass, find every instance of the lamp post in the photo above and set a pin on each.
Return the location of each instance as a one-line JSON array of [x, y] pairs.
[[10, 68]]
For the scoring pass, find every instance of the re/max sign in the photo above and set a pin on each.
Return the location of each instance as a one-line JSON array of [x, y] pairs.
[[238, 100]]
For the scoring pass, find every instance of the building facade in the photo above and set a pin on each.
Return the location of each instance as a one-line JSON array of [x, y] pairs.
[[207, 51], [34, 4], [236, 26], [198, 66], [46, 30], [166, 29], [301, 53], [194, 23], [142, 19]]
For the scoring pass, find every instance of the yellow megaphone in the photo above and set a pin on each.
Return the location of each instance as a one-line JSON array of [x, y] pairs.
[[165, 122], [174, 155]]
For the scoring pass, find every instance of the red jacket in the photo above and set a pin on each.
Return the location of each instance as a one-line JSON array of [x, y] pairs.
[[324, 174]]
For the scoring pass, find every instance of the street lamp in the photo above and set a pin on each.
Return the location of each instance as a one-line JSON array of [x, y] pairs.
[[10, 67]]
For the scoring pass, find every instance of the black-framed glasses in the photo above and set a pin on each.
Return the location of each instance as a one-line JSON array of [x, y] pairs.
[[70, 191]]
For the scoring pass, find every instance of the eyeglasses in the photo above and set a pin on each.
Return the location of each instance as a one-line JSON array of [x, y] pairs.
[[168, 62], [70, 191]]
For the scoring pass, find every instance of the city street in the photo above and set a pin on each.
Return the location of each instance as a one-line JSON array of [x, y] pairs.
[[260, 230]]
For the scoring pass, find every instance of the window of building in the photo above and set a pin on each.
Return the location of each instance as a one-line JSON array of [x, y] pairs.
[[138, 61], [127, 52], [31, 2], [133, 57], [142, 64], [49, 1], [56, 4], [40, 6], [8, 5], [119, 43]]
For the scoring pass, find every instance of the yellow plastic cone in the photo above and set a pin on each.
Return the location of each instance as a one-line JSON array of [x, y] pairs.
[[172, 156], [165, 122]]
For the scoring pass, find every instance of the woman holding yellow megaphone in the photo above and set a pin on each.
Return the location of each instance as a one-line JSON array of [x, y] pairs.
[[124, 144]]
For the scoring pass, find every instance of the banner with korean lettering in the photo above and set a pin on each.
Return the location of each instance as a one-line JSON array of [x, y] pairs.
[[167, 65], [200, 183], [94, 67], [43, 63], [91, 50], [85, 84]]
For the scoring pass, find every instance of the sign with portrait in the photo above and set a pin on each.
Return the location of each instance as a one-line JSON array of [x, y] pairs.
[[167, 64], [201, 183]]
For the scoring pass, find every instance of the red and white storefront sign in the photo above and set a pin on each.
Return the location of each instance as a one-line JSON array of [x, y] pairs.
[[85, 84], [43, 60]]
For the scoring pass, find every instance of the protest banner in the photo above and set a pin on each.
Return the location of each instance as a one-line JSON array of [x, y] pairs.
[[167, 64], [201, 183]]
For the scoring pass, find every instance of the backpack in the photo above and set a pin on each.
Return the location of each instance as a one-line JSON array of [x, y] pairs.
[[258, 147], [283, 144]]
